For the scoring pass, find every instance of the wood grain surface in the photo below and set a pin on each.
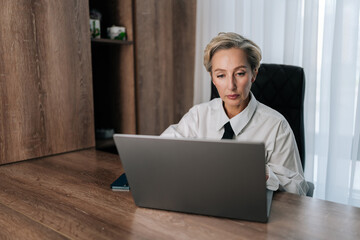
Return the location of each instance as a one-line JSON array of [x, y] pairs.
[[165, 47], [46, 100], [184, 26], [15, 225], [69, 196]]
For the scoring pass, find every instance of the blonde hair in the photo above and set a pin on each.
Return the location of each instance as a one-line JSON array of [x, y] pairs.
[[232, 40]]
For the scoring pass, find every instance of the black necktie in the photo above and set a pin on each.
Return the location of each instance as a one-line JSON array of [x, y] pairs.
[[229, 133]]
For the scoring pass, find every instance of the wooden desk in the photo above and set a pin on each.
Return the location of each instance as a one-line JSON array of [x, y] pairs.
[[68, 196]]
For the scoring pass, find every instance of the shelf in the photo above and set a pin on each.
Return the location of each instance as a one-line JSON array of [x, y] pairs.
[[106, 145], [110, 41]]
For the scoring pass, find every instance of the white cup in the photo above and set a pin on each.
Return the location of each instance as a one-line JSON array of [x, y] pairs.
[[116, 32]]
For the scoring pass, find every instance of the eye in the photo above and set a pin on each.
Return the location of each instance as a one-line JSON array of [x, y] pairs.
[[220, 76], [240, 74]]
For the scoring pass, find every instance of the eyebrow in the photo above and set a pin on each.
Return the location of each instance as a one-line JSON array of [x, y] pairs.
[[241, 66]]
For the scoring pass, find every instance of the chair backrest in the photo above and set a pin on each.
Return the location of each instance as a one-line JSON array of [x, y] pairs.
[[282, 87]]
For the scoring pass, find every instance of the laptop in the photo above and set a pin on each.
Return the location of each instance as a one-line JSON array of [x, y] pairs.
[[222, 178]]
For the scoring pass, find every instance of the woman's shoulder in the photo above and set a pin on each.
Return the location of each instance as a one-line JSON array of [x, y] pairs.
[[214, 104], [267, 114], [268, 111]]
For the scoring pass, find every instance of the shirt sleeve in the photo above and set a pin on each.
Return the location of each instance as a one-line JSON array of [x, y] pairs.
[[283, 164], [186, 128]]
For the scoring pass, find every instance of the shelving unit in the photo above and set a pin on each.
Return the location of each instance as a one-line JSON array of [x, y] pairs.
[[113, 71]]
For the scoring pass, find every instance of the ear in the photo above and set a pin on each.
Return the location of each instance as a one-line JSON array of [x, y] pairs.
[[254, 73], [211, 78]]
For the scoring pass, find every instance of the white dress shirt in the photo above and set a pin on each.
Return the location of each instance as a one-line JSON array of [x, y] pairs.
[[258, 123]]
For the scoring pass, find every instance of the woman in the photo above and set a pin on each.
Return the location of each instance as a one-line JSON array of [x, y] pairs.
[[233, 62]]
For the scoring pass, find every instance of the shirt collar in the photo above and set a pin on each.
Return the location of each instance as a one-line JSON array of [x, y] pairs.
[[239, 121]]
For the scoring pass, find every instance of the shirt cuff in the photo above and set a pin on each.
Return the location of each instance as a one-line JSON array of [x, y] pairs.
[[272, 182]]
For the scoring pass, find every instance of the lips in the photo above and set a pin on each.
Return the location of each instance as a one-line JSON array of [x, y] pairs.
[[232, 96]]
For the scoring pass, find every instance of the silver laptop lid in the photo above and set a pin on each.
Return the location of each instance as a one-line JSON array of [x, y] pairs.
[[219, 178]]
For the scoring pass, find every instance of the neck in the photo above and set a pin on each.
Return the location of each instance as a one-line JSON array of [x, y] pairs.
[[232, 111]]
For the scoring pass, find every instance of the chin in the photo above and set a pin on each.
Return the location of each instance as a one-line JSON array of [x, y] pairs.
[[233, 103]]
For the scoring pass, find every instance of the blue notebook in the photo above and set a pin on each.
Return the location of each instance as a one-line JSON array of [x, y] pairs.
[[120, 184]]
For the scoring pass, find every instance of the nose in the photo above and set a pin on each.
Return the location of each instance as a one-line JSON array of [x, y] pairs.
[[231, 83]]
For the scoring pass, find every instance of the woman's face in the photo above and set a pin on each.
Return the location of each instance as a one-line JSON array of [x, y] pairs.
[[232, 76]]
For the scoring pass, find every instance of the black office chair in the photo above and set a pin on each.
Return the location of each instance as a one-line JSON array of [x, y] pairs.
[[282, 87]]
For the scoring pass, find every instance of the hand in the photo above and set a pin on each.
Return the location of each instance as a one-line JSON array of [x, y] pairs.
[[267, 177]]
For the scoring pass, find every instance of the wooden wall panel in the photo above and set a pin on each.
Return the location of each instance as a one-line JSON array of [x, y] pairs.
[[165, 46], [46, 103], [184, 24], [154, 63], [125, 121]]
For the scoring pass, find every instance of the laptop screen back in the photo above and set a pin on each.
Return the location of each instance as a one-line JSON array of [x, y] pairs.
[[222, 178]]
